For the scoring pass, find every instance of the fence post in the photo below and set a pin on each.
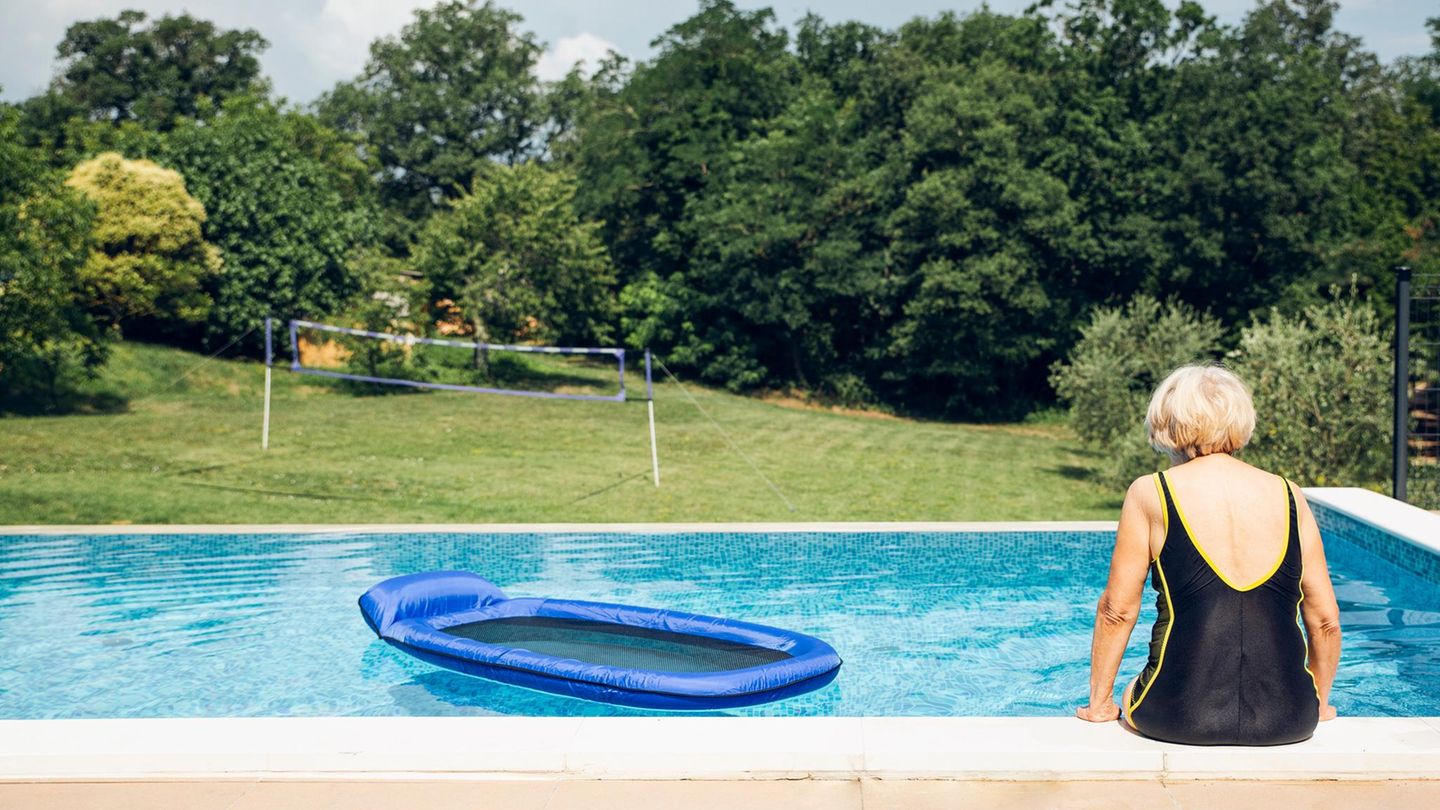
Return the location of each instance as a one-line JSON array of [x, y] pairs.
[[1402, 381]]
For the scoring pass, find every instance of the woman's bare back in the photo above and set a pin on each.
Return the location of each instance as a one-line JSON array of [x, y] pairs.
[[1237, 515]]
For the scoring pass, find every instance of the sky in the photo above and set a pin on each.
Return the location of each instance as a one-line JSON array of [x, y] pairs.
[[316, 43]]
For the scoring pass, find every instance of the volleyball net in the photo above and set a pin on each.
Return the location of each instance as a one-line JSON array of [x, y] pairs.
[[373, 360], [413, 361]]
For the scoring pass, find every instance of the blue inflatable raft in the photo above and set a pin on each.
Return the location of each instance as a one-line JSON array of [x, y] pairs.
[[632, 656]]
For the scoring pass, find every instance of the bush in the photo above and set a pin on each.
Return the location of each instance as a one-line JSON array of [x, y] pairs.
[[47, 342], [1122, 354], [287, 208], [519, 261], [382, 358], [149, 258], [1322, 393]]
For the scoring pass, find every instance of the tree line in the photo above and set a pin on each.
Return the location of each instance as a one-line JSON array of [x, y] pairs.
[[922, 219]]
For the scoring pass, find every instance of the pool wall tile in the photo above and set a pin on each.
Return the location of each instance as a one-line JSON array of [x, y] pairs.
[[1337, 525]]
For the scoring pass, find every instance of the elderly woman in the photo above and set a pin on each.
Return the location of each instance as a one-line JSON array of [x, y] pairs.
[[1234, 556]]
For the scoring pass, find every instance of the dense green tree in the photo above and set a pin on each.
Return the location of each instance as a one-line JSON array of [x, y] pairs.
[[519, 261], [656, 143], [1396, 151], [1113, 66], [1255, 137], [123, 69], [980, 233], [46, 337], [921, 218], [150, 259], [784, 282], [124, 81], [288, 205], [1420, 76], [1027, 190], [840, 54], [456, 88]]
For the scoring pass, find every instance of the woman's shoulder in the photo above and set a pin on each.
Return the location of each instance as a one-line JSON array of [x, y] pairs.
[[1141, 486], [1145, 492]]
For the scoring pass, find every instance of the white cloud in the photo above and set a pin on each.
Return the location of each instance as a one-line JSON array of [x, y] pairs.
[[342, 34], [584, 48], [315, 43]]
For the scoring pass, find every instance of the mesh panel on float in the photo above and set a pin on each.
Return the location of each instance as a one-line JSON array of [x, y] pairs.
[[617, 645]]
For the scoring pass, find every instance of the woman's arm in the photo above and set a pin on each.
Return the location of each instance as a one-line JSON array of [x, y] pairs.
[[1120, 604], [1318, 607]]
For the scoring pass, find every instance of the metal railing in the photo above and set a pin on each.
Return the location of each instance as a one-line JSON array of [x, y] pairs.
[[1417, 389]]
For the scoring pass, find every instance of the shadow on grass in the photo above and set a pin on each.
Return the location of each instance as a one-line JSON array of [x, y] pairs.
[[70, 403], [540, 382], [1074, 472], [315, 496], [1086, 474], [625, 480], [1085, 465]]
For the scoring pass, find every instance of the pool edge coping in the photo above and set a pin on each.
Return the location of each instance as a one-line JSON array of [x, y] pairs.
[[669, 748], [1383, 513]]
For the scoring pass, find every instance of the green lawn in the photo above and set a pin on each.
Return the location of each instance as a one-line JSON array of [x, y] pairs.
[[190, 453]]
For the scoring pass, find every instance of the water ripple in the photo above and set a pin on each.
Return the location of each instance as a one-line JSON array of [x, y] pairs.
[[972, 624]]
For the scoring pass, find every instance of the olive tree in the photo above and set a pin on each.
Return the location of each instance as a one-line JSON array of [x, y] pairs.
[[1322, 392], [1122, 354]]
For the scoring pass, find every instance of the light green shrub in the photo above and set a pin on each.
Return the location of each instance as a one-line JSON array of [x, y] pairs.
[[1322, 393], [1123, 352], [149, 258]]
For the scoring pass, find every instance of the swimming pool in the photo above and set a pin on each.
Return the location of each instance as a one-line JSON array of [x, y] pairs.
[[930, 623]]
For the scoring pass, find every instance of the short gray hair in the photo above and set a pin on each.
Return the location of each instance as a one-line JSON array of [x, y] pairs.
[[1199, 410]]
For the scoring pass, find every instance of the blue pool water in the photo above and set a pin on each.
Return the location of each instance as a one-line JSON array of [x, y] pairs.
[[928, 623]]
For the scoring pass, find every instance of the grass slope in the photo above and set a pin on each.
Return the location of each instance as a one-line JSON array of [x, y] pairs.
[[188, 452]]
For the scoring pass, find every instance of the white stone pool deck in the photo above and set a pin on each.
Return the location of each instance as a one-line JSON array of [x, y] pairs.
[[705, 748], [545, 763], [698, 762]]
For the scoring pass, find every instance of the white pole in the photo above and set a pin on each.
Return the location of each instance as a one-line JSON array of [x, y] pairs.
[[654, 453], [265, 421], [269, 361], [650, 404]]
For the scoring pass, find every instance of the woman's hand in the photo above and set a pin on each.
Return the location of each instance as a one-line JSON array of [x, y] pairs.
[[1107, 711], [1327, 712]]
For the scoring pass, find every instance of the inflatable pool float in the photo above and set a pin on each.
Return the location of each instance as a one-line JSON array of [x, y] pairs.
[[631, 656]]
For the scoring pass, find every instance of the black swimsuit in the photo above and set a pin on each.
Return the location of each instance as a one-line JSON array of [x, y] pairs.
[[1228, 663]]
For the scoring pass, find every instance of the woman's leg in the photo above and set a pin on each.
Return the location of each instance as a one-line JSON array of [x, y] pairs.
[[1125, 703]]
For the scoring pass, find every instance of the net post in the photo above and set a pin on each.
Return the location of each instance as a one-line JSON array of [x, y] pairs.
[[620, 353], [649, 381], [650, 406], [294, 346], [1402, 382], [269, 361]]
